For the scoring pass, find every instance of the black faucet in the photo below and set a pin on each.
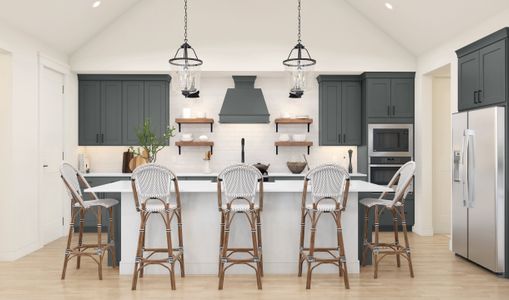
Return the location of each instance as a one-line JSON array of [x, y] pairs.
[[242, 155]]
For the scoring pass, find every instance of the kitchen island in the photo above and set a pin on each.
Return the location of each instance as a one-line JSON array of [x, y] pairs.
[[201, 219]]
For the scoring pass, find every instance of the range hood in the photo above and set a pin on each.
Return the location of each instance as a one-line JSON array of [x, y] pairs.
[[244, 104]]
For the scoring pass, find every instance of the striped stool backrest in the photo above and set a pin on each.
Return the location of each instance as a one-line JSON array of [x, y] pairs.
[[328, 181], [152, 181], [240, 182]]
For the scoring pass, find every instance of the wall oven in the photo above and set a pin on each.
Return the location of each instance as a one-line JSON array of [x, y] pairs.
[[390, 140], [390, 146]]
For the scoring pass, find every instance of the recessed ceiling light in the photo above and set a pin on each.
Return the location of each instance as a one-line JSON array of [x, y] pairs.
[[96, 4], [388, 5]]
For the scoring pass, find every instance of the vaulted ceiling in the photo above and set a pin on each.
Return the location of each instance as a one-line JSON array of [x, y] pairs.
[[418, 25], [63, 24], [421, 25]]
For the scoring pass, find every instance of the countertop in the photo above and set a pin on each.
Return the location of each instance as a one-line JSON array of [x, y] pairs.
[[197, 174], [200, 186]]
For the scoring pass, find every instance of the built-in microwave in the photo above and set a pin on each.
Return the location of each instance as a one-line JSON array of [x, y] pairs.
[[390, 140]]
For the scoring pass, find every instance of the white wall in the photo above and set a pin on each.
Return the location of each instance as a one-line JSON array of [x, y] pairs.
[[438, 57], [441, 196], [259, 137], [22, 217], [5, 149], [242, 35]]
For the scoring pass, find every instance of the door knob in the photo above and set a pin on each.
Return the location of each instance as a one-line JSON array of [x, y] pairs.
[[45, 166]]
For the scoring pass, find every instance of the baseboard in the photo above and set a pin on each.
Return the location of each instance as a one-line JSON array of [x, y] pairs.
[[423, 231], [13, 255]]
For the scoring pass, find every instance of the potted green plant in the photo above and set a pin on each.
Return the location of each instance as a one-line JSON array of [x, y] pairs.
[[150, 144]]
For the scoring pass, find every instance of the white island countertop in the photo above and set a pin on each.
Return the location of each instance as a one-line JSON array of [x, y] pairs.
[[200, 186], [198, 174]]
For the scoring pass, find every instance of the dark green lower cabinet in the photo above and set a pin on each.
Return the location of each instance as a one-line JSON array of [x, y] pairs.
[[385, 221]]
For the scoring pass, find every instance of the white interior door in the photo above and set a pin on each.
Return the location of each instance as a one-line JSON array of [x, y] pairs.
[[51, 135]]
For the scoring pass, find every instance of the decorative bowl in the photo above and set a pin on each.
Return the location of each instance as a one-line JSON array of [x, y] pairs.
[[296, 167]]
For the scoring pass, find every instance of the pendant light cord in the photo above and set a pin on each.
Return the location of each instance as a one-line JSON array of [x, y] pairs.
[[185, 21], [298, 34]]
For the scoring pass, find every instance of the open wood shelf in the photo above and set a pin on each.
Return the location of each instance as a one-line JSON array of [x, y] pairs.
[[181, 144], [181, 121], [307, 121], [292, 144]]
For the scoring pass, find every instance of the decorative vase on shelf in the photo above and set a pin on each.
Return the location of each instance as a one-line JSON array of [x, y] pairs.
[[350, 168]]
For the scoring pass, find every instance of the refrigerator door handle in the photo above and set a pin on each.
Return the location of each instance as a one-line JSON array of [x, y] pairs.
[[469, 169]]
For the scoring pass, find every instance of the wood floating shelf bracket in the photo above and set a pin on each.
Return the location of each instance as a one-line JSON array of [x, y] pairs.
[[307, 144], [283, 121], [181, 121], [181, 144]]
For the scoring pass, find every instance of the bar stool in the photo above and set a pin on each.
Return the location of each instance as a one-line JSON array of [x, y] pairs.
[[73, 182], [329, 193], [240, 182], [151, 185], [402, 181]]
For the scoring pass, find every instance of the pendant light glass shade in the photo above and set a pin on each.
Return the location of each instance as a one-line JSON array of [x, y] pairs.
[[298, 63], [188, 65]]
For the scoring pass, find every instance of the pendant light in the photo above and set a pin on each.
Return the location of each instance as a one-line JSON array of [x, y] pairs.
[[188, 65], [298, 62]]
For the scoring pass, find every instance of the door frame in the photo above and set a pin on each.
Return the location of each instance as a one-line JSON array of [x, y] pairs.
[[46, 62]]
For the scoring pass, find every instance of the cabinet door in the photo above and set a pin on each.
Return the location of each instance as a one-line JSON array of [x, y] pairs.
[[89, 113], [330, 113], [378, 98], [351, 113], [132, 110], [111, 116], [157, 105], [402, 98], [493, 75], [468, 81]]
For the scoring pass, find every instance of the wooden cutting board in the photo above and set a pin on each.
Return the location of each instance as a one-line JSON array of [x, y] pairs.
[[138, 161]]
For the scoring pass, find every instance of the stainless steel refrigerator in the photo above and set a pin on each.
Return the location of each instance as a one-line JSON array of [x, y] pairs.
[[478, 189]]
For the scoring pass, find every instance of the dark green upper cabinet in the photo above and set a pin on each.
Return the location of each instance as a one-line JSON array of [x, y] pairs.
[[482, 72], [389, 97], [112, 107], [89, 112], [156, 105], [340, 110], [132, 110], [111, 118], [379, 93]]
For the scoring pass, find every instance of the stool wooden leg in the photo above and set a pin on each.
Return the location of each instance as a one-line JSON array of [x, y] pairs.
[[376, 249], [80, 238], [69, 240], [139, 253], [259, 239], [112, 247], [99, 242], [342, 259], [302, 235], [365, 241], [181, 243], [224, 250], [142, 263], [407, 243], [311, 249], [396, 238], [252, 220], [170, 250], [221, 241]]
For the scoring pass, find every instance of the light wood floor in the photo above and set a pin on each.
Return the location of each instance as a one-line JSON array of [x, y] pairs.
[[438, 275]]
